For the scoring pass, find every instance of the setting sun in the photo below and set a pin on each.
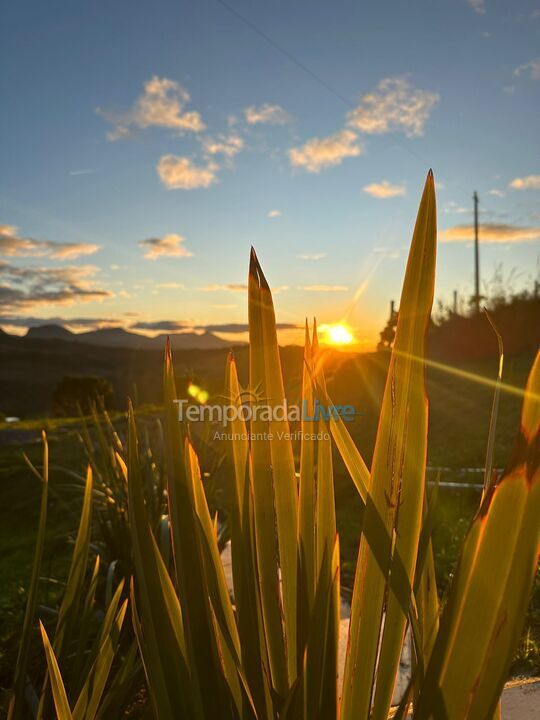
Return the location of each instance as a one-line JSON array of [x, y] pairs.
[[337, 334]]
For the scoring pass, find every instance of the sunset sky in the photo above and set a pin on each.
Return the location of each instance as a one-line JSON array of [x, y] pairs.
[[146, 146]]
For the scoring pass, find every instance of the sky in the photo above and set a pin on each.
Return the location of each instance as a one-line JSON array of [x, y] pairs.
[[146, 146]]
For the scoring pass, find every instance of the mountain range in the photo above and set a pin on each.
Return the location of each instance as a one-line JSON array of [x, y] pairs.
[[117, 337]]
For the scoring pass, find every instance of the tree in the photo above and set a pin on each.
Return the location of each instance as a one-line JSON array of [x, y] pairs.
[[73, 393]]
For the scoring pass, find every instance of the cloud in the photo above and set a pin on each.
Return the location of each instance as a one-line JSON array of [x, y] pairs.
[[240, 327], [14, 245], [231, 287], [171, 245], [25, 321], [530, 182], [496, 193], [266, 114], [228, 145], [320, 153], [26, 287], [479, 6], [162, 104], [181, 325], [312, 256], [491, 233], [84, 171], [163, 325], [532, 69], [384, 190], [171, 286], [324, 288], [274, 214], [394, 106], [179, 173]]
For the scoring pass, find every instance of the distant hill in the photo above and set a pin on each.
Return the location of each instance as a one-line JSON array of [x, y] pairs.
[[117, 337]]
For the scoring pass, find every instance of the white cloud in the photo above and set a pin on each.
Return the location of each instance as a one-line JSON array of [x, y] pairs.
[[267, 115], [532, 69], [325, 288], [162, 104], [530, 182], [479, 6], [171, 245], [319, 153], [228, 145], [312, 256], [384, 190], [491, 233], [395, 105], [496, 193], [180, 173], [13, 245], [274, 214]]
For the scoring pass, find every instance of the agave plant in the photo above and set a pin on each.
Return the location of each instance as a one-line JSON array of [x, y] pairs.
[[271, 650]]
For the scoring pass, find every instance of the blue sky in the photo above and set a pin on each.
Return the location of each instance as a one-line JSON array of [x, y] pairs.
[[146, 146]]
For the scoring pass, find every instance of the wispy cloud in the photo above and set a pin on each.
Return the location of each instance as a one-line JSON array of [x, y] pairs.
[[180, 173], [83, 171], [319, 153], [27, 321], [27, 287], [227, 145], [531, 69], [394, 106], [231, 287], [496, 193], [479, 6], [312, 256], [530, 182], [14, 245], [267, 115], [274, 214], [491, 233], [324, 288], [171, 245], [384, 190], [171, 286], [162, 104], [163, 325]]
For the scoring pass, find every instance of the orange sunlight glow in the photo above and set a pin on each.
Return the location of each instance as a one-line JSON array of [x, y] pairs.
[[336, 334]]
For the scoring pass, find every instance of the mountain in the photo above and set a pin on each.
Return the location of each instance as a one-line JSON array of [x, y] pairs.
[[49, 332], [117, 337]]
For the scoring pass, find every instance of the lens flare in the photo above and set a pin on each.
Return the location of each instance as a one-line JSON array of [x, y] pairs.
[[197, 393]]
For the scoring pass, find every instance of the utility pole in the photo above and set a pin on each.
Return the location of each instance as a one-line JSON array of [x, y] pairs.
[[476, 257]]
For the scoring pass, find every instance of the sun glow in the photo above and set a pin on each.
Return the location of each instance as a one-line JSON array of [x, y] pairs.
[[338, 334]]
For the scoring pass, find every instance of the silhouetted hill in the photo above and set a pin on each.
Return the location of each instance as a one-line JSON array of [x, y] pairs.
[[120, 338], [49, 332]]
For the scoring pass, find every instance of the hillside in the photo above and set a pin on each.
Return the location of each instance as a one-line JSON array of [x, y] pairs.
[[117, 337]]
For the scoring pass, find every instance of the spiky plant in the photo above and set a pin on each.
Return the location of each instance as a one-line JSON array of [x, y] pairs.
[[272, 651]]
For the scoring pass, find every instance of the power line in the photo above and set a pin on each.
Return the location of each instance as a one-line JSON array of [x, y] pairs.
[[323, 83]]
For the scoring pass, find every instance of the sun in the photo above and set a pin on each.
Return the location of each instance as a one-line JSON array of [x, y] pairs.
[[337, 334]]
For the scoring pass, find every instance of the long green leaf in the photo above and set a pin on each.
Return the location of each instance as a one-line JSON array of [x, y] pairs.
[[61, 703], [17, 703], [396, 489], [263, 351], [160, 630], [473, 650]]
